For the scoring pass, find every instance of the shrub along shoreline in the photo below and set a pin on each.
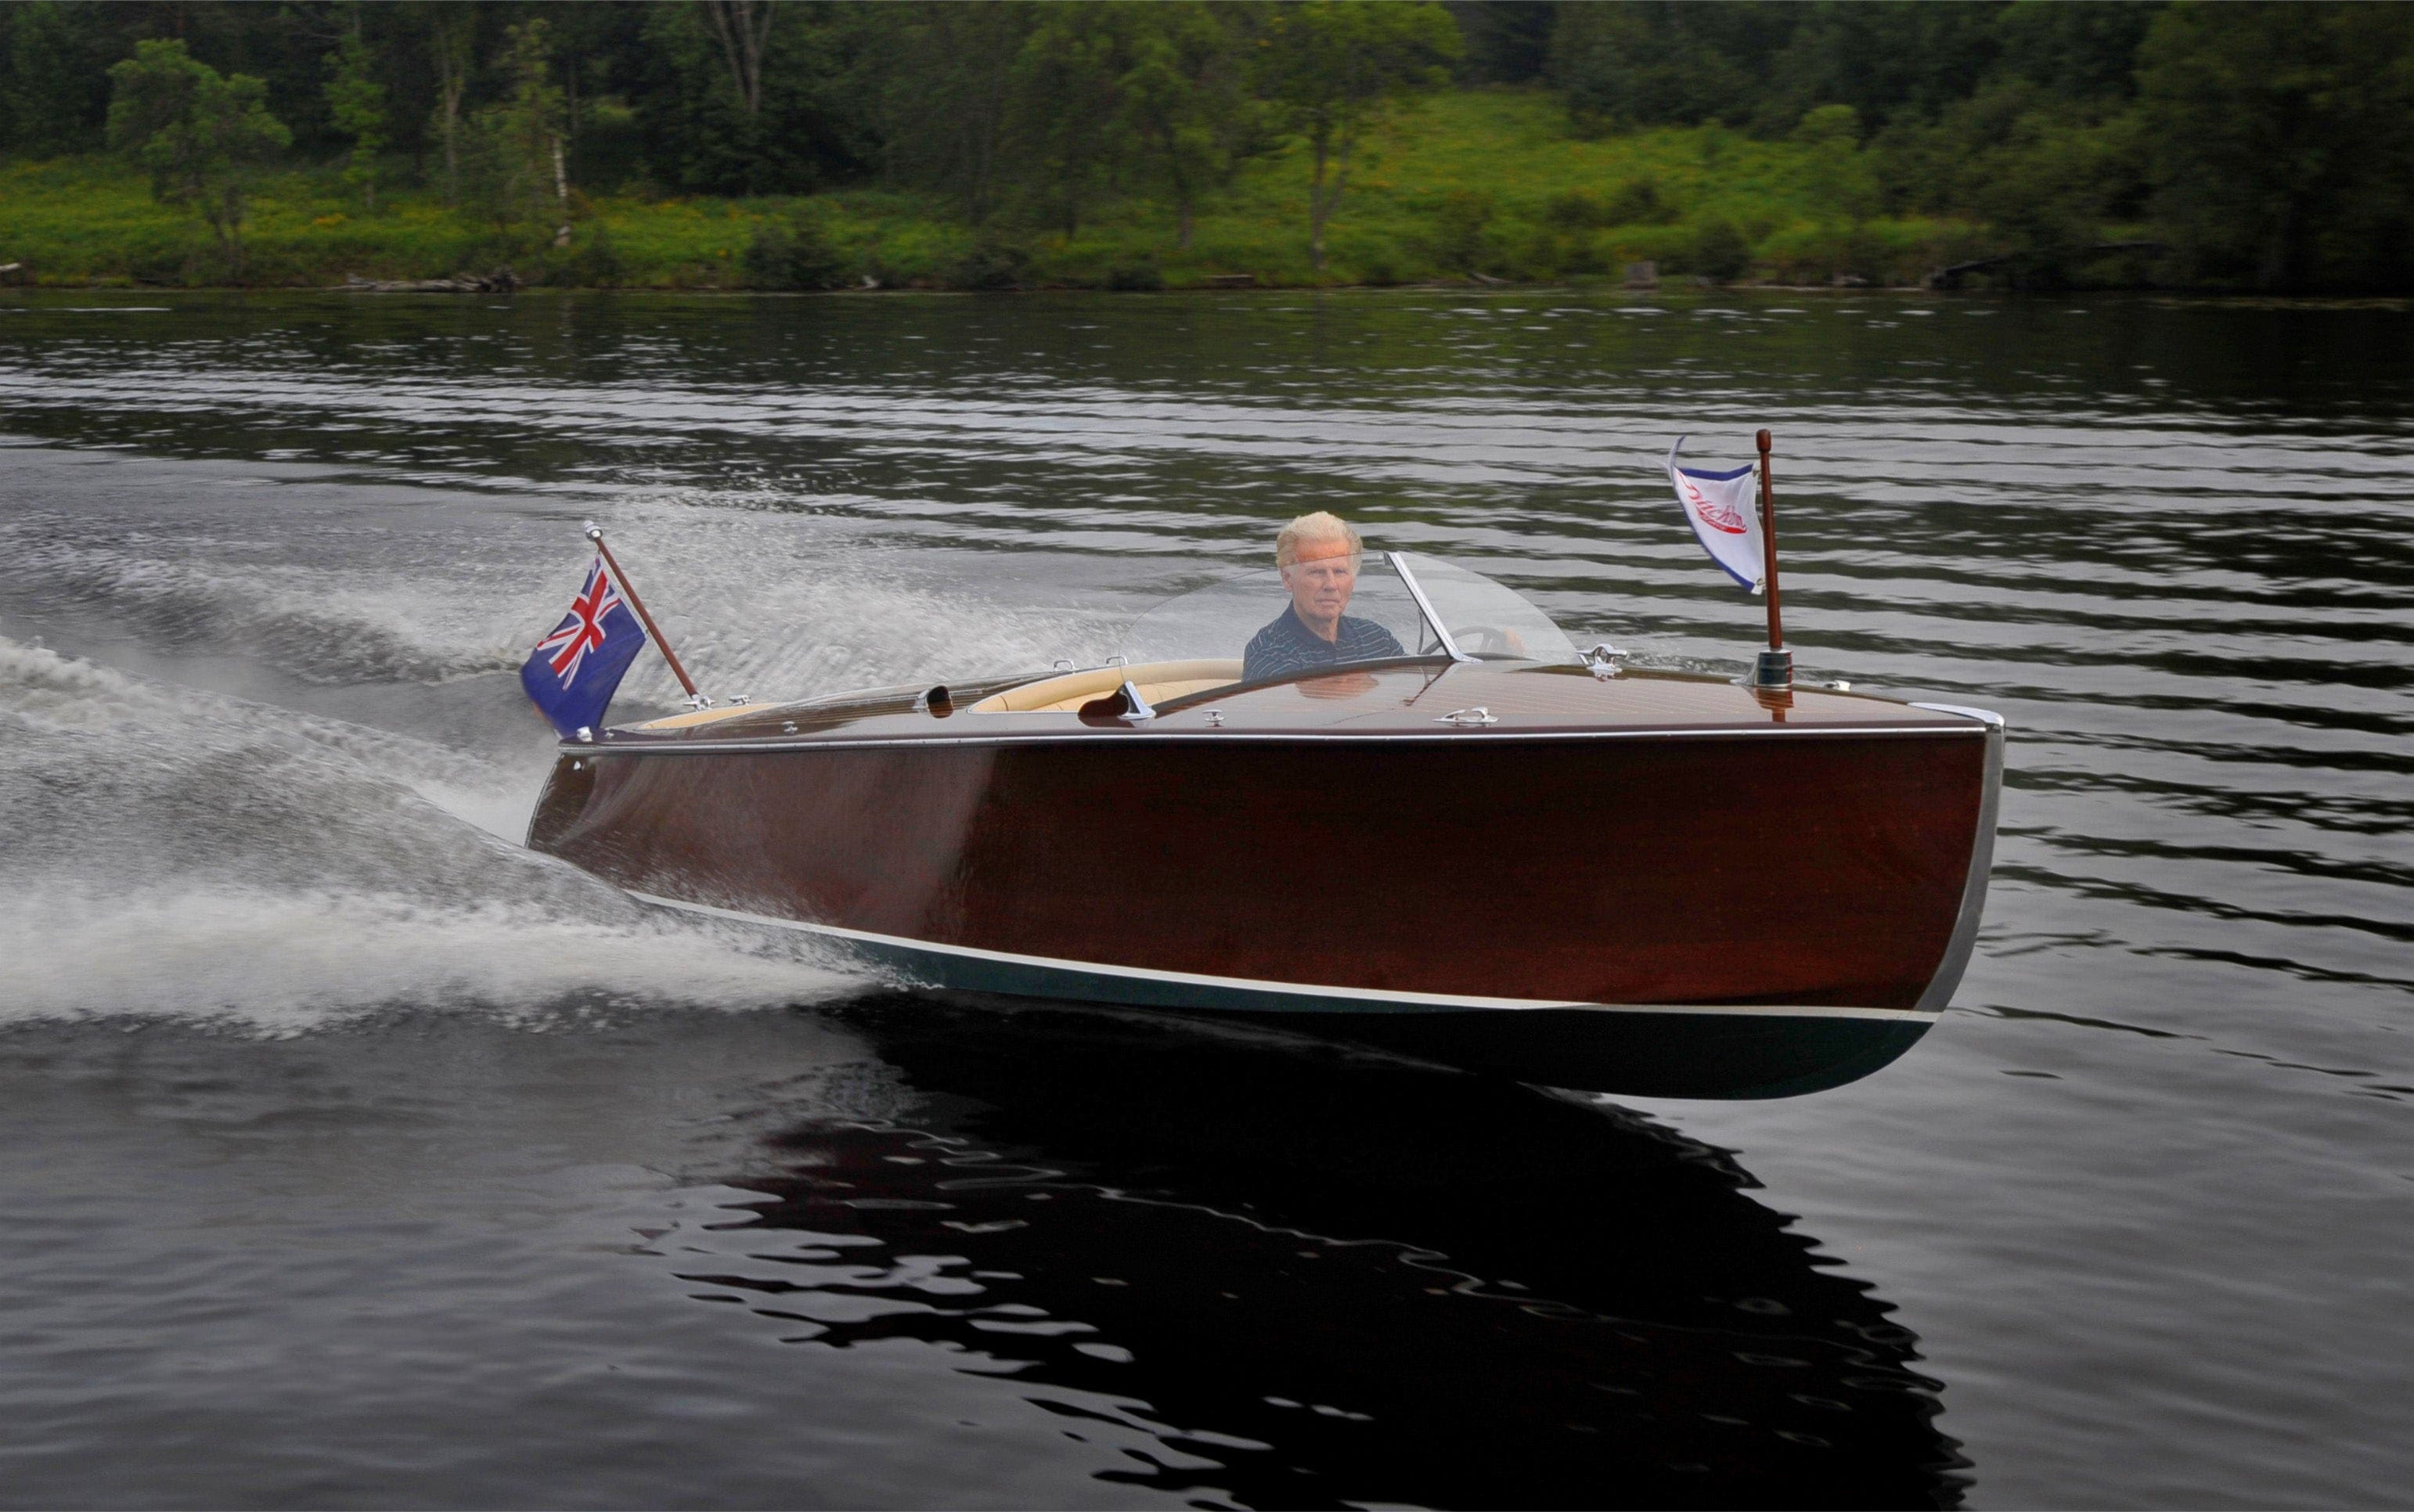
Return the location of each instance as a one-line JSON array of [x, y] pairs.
[[1471, 186]]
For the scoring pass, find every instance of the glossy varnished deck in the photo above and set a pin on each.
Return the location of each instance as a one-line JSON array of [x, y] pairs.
[[1410, 700]]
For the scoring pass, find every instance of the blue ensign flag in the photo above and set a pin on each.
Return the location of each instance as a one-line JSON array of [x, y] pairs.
[[574, 672]]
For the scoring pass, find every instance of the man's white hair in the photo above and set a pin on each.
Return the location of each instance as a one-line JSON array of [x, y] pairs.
[[1314, 528]]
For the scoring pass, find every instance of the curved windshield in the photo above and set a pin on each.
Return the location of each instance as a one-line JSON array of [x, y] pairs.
[[1345, 610], [1356, 609], [1487, 620]]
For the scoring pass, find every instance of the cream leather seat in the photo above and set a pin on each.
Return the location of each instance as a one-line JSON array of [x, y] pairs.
[[1157, 682]]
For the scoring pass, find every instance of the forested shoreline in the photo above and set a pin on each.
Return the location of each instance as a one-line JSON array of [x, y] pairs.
[[824, 144]]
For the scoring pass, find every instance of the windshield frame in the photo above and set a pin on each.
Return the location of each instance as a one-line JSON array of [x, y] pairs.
[[1425, 607]]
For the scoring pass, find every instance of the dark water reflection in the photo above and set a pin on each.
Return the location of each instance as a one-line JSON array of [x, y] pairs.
[[891, 1252], [1288, 1278]]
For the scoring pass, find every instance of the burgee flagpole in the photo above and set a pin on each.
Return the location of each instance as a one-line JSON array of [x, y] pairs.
[[1775, 667], [595, 534]]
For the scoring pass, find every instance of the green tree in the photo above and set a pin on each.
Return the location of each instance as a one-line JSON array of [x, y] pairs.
[[2078, 50], [198, 132], [519, 139], [795, 251], [1721, 252], [1458, 225], [1883, 58], [1332, 67], [1657, 61], [356, 99], [1185, 102], [727, 103], [743, 28], [449, 30], [1508, 41], [2282, 138], [942, 95], [54, 84], [1838, 172], [1065, 87]]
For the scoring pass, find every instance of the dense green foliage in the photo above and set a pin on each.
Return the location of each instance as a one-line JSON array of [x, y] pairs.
[[1330, 69], [1133, 144], [199, 133], [356, 103]]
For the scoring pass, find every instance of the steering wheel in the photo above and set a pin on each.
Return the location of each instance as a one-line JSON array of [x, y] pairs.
[[1489, 640]]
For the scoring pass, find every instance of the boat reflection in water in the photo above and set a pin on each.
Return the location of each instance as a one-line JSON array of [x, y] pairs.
[[1274, 1273]]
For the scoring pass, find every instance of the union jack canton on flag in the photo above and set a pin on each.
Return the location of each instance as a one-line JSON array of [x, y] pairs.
[[574, 672]]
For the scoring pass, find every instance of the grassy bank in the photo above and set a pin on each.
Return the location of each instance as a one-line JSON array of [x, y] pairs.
[[1469, 183]]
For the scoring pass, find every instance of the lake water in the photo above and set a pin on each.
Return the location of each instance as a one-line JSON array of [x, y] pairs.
[[358, 1158]]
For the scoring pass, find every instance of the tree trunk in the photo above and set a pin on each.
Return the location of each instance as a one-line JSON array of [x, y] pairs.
[[745, 32], [1323, 196], [2289, 258], [452, 78], [228, 223], [1317, 205], [1186, 223], [560, 194], [1341, 170]]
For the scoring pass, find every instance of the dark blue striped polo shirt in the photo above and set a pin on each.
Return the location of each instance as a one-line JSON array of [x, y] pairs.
[[1288, 646]]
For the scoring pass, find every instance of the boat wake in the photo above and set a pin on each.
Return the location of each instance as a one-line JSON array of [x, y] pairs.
[[773, 605], [757, 600], [308, 622], [182, 854], [206, 806]]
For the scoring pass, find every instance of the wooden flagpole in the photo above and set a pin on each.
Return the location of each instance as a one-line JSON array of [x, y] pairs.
[[595, 534], [1769, 545], [1775, 666]]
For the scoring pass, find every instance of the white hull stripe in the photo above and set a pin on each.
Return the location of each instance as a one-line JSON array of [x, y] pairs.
[[1339, 997]]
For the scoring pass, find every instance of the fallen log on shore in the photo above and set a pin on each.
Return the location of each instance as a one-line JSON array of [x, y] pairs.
[[500, 281], [1950, 278]]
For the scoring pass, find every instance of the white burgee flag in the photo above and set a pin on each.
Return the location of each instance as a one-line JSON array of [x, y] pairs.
[[1726, 518]]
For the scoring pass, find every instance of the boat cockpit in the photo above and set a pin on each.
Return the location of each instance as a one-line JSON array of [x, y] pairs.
[[1401, 609], [1402, 606]]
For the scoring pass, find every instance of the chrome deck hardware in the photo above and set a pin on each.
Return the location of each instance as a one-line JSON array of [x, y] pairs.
[[1604, 660], [1468, 718]]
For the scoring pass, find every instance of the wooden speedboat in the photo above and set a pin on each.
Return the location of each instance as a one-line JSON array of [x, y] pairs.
[[1487, 849]]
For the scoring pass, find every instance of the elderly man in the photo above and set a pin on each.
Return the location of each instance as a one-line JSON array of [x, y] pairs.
[[1318, 555]]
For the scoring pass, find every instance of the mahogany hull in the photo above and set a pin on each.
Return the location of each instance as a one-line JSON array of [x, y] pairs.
[[1722, 912]]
